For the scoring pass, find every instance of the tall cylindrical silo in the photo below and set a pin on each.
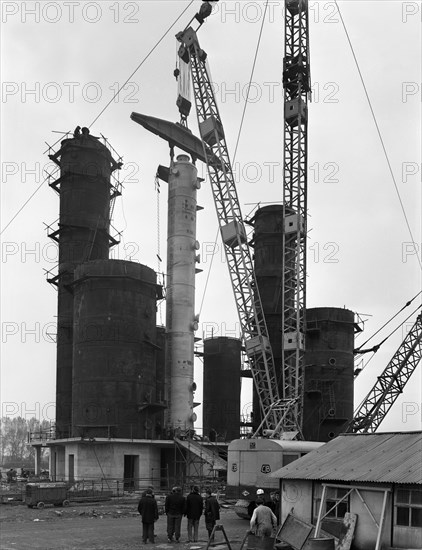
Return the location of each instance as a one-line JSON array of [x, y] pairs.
[[329, 366], [328, 375], [180, 294], [268, 265], [221, 389], [114, 347], [82, 235]]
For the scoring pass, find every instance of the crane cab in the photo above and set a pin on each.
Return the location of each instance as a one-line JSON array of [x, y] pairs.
[[251, 461]]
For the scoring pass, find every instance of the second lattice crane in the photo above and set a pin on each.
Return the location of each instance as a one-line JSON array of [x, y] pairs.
[[193, 64]]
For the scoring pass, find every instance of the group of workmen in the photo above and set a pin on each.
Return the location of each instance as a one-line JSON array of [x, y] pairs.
[[176, 506]]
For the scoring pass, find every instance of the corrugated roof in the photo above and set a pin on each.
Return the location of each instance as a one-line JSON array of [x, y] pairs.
[[380, 457]]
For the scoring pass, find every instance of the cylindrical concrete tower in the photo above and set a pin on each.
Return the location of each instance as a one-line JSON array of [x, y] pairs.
[[180, 295], [114, 348], [83, 234], [221, 391], [329, 366], [328, 376], [268, 264], [268, 261]]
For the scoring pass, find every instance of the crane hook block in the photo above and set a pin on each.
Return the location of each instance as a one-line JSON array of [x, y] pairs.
[[184, 105], [204, 12]]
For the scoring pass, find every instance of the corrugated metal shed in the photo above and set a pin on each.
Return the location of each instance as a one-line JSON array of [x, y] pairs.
[[380, 457]]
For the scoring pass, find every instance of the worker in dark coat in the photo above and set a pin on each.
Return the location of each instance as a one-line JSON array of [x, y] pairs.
[[252, 504], [148, 509], [211, 512], [194, 508], [146, 490], [274, 505], [11, 475], [175, 508]]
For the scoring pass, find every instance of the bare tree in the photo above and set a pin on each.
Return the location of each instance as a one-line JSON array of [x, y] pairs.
[[14, 438]]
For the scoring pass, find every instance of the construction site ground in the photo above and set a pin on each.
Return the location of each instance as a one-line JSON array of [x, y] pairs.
[[111, 525]]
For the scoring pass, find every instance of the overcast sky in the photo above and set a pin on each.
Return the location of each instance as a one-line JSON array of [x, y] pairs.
[[61, 64]]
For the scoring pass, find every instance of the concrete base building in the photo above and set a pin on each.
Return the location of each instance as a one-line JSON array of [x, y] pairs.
[[119, 465], [126, 461]]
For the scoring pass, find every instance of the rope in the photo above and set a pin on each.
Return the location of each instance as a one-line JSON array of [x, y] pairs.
[[380, 137], [376, 348], [389, 321], [238, 138], [102, 111], [250, 80], [93, 240], [23, 206], [140, 65], [209, 272]]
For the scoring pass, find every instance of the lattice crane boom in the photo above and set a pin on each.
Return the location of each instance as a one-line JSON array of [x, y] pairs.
[[238, 254], [296, 84], [373, 409]]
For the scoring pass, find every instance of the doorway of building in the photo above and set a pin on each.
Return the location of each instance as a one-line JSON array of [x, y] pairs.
[[130, 471], [71, 467]]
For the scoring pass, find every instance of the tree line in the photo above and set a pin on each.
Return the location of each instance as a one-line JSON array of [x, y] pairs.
[[14, 435]]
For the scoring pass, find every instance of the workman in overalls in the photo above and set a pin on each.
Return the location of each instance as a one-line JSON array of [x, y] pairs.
[[263, 521]]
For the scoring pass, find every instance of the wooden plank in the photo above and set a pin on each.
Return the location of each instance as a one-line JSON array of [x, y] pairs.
[[347, 531]]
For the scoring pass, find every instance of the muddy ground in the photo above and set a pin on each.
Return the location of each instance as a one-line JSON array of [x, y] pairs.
[[111, 525]]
